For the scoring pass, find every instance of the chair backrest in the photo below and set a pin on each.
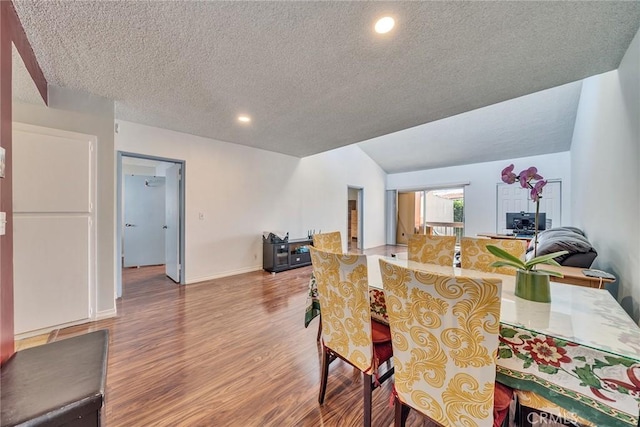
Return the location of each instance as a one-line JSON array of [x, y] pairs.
[[429, 249], [328, 242], [445, 342], [474, 253], [343, 291]]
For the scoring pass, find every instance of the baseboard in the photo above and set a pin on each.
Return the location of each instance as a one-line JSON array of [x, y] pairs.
[[50, 329], [227, 273], [105, 314], [112, 312]]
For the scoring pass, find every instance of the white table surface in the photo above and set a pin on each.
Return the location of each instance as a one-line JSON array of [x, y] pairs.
[[585, 316]]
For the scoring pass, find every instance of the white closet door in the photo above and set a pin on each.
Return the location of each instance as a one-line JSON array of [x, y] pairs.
[[51, 173], [551, 202], [51, 270], [54, 227], [513, 198]]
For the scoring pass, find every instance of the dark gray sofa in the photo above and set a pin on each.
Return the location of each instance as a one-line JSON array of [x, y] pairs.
[[571, 239]]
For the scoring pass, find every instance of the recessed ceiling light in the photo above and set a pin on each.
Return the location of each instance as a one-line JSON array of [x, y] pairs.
[[384, 25], [243, 118]]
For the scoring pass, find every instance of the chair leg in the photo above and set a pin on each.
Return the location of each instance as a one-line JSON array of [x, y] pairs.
[[505, 423], [324, 373], [518, 413], [401, 413], [368, 391], [319, 328]]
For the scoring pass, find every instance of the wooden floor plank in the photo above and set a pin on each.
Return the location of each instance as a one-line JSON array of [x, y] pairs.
[[226, 352]]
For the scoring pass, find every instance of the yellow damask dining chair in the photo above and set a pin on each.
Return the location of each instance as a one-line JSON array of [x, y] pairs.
[[474, 254], [349, 333], [430, 249], [328, 242], [445, 342]]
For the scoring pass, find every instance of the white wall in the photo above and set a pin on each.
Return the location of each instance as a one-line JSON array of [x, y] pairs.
[[480, 207], [244, 191], [438, 209], [327, 177], [605, 158], [138, 170]]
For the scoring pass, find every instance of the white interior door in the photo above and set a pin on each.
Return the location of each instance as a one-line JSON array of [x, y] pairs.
[[172, 223], [513, 198], [144, 206]]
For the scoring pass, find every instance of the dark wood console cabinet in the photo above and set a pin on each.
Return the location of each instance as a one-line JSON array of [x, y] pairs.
[[285, 255]]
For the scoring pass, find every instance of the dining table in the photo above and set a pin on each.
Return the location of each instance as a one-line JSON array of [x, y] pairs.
[[580, 351]]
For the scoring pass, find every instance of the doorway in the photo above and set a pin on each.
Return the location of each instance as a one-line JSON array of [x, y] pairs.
[[354, 219], [150, 203], [438, 211]]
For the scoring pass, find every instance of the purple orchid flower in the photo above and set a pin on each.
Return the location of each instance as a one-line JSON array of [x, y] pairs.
[[536, 191], [508, 177], [527, 175], [529, 179]]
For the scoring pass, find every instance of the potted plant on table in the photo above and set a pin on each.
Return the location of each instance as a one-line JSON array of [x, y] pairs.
[[531, 283]]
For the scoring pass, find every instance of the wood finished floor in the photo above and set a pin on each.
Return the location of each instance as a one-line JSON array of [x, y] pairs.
[[226, 352]]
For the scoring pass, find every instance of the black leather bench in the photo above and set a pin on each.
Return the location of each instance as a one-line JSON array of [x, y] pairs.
[[57, 384]]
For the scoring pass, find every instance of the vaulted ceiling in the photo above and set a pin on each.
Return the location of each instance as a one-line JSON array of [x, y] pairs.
[[314, 76]]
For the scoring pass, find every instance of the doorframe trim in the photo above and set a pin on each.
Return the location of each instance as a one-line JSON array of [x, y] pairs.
[[360, 208], [120, 213]]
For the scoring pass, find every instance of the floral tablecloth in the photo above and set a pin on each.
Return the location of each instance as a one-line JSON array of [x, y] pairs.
[[313, 304], [596, 385]]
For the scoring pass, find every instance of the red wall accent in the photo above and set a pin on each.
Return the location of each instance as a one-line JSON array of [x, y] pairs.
[[6, 241], [19, 39], [11, 32]]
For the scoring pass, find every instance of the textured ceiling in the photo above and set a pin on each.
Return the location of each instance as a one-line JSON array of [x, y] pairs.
[[314, 76], [23, 87], [540, 123]]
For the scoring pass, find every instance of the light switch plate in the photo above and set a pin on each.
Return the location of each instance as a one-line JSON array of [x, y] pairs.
[[1, 162], [3, 222]]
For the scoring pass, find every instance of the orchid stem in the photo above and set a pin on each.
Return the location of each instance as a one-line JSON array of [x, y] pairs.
[[535, 232]]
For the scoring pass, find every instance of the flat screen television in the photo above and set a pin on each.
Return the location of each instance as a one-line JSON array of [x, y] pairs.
[[525, 222]]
